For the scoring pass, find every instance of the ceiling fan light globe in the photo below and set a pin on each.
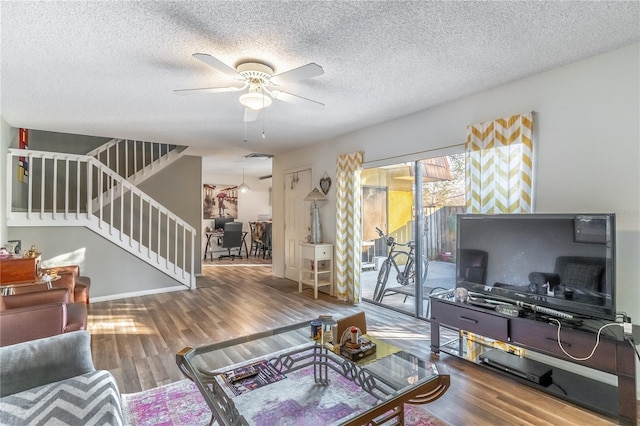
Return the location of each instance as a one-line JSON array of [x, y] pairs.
[[255, 101], [244, 188]]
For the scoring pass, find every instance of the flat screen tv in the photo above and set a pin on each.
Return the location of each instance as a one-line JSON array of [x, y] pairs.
[[565, 262]]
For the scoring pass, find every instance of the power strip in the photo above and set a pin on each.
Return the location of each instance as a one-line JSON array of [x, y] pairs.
[[551, 312], [543, 310]]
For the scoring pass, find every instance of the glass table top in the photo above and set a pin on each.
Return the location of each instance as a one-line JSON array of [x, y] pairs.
[[284, 374]]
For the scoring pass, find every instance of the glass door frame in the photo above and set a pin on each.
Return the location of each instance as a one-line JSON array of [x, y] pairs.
[[419, 239], [422, 236]]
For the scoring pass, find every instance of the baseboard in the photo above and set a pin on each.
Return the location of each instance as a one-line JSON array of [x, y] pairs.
[[138, 293], [226, 265]]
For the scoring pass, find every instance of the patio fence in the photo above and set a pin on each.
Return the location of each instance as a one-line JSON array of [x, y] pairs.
[[440, 231]]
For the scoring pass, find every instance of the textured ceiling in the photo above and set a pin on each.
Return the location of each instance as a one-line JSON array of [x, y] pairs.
[[109, 68]]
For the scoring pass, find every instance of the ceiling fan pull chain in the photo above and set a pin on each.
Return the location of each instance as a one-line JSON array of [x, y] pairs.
[[264, 112]]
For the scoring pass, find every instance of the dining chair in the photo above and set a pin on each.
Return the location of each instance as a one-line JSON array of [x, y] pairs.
[[266, 240], [256, 237], [232, 239]]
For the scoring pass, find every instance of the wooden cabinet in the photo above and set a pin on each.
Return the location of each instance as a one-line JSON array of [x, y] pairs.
[[18, 269], [544, 338], [483, 323], [613, 354], [316, 267]]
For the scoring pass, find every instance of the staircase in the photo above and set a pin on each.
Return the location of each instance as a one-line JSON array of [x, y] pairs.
[[87, 192], [135, 161]]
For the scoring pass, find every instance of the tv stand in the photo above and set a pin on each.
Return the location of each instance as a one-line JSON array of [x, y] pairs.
[[614, 354]]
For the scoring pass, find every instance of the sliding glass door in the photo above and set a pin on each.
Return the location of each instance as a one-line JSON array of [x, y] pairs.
[[409, 218]]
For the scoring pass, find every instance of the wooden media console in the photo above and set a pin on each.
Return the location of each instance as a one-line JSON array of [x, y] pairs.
[[614, 355]]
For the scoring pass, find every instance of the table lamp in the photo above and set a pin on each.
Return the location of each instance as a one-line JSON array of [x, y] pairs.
[[316, 230]]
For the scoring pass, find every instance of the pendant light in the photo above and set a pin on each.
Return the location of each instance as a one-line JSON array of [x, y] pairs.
[[243, 186]]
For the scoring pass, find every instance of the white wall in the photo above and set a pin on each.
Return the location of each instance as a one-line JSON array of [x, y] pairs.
[[587, 148]]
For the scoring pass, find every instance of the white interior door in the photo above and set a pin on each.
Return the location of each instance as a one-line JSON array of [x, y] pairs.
[[297, 218]]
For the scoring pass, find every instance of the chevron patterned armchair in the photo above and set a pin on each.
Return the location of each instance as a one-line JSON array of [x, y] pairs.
[[53, 381]]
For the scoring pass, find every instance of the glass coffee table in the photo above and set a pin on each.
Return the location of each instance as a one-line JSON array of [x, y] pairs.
[[283, 376]]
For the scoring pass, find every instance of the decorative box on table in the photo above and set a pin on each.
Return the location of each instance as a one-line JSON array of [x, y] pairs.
[[366, 347]]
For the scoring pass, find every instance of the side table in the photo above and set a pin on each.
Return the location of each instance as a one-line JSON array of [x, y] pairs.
[[316, 267]]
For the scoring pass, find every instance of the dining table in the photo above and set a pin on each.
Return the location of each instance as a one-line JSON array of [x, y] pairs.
[[218, 234]]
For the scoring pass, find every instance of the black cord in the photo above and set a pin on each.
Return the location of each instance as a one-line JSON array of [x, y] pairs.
[[594, 346], [559, 387], [633, 345]]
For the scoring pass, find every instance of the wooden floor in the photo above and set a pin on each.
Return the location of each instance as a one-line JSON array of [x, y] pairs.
[[137, 338], [236, 261]]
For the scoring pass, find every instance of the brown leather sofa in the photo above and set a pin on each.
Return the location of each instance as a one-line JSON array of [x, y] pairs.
[[69, 278], [39, 314], [81, 283]]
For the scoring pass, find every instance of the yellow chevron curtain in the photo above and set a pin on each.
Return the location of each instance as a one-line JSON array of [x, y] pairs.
[[499, 166], [499, 178], [348, 226]]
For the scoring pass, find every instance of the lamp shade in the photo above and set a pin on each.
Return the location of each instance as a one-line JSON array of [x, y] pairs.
[[315, 195], [255, 100], [243, 187]]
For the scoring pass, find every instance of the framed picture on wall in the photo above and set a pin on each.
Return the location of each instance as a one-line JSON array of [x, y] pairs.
[[219, 201]]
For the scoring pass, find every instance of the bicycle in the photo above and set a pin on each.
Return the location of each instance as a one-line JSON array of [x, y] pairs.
[[405, 276]]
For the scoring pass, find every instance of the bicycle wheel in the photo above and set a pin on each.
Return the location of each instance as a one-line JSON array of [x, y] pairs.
[[409, 273], [407, 276], [425, 268], [381, 284], [402, 260]]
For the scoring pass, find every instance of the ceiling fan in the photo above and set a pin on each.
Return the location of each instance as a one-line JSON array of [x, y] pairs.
[[261, 84]]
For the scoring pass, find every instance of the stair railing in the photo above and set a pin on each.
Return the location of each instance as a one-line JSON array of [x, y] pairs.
[[60, 189], [134, 160], [130, 158]]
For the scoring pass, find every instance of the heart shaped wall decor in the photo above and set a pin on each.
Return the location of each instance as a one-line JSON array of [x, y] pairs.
[[325, 184]]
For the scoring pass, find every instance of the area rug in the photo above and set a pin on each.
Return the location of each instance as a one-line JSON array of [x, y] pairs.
[[181, 403]]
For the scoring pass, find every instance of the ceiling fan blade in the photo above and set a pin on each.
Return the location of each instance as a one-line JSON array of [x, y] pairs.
[[218, 65], [210, 90], [294, 99], [297, 74], [250, 115]]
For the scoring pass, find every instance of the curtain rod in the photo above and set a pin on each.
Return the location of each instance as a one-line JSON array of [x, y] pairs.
[[410, 154]]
